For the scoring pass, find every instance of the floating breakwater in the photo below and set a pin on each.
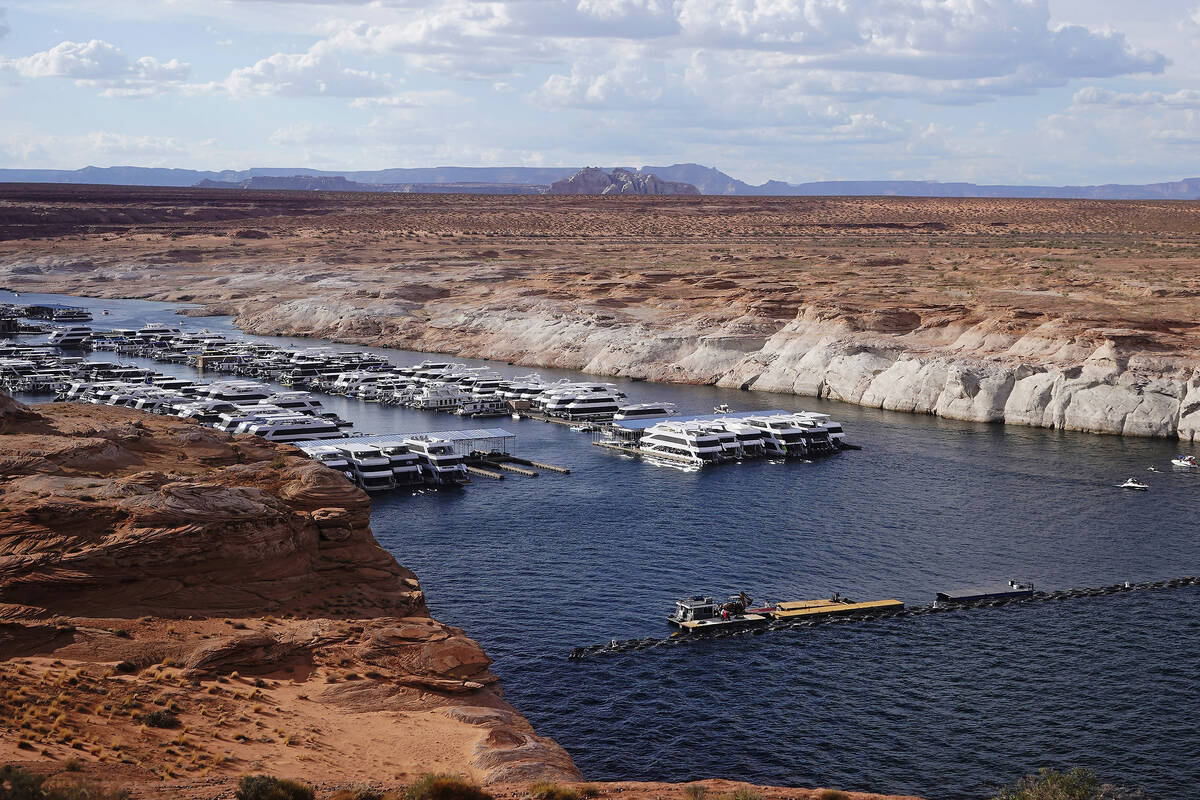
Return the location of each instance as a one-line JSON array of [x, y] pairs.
[[616, 646]]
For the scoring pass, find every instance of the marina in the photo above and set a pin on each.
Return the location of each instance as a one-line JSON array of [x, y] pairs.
[[247, 404]]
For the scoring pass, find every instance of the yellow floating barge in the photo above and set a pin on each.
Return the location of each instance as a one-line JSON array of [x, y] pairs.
[[831, 608]]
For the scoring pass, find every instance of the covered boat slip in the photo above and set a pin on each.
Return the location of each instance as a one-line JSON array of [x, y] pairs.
[[640, 425], [464, 442], [1000, 591]]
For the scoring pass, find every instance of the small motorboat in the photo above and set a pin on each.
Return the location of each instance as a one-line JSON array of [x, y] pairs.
[[700, 614], [516, 416], [723, 409], [1185, 461], [1135, 484], [583, 428]]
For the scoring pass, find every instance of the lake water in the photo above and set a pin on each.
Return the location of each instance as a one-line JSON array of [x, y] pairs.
[[945, 706]]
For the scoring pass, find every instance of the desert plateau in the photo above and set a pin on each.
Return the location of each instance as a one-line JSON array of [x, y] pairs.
[[1069, 314]]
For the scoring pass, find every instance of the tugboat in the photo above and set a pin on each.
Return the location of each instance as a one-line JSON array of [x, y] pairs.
[[1135, 484], [702, 614]]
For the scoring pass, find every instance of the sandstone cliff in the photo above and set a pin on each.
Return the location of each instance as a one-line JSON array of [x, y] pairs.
[[149, 565], [593, 180]]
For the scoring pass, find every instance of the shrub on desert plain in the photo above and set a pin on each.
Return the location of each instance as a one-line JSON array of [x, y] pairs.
[[265, 787], [363, 793], [20, 784], [695, 791], [745, 793], [161, 719], [833, 794], [444, 787], [1074, 784], [545, 790]]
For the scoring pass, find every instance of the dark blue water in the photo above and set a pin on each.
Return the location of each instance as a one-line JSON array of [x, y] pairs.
[[945, 706]]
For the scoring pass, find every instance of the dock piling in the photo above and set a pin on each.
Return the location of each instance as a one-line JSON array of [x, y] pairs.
[[483, 473], [509, 467]]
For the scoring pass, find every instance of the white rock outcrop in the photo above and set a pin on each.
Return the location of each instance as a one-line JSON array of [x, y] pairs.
[[593, 180], [1102, 391]]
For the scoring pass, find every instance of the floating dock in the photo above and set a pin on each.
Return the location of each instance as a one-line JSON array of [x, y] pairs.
[[897, 611], [832, 608], [485, 452]]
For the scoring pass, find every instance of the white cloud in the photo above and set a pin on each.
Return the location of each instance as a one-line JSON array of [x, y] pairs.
[[948, 50], [92, 60], [102, 65], [627, 78], [316, 73], [421, 99], [1096, 96], [94, 147], [308, 133]]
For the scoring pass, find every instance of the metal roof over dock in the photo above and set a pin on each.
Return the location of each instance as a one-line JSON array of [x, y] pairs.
[[464, 441], [642, 424]]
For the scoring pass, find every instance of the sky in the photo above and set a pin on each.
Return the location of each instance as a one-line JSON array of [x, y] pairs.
[[988, 91]]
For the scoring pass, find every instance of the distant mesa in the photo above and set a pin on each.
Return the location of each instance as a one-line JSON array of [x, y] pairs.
[[309, 183], [339, 183], [593, 180], [536, 180]]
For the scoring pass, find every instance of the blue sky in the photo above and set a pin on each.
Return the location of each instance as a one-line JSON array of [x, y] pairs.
[[1012, 91]]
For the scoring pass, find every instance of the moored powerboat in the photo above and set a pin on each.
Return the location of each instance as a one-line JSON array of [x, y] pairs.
[[700, 614]]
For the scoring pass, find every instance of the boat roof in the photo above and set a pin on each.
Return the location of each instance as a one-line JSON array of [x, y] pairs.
[[642, 424], [996, 588]]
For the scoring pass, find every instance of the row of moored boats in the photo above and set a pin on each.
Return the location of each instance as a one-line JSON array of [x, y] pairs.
[[705, 441], [431, 385]]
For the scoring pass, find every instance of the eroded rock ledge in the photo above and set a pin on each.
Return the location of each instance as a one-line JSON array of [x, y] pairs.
[[1008, 369], [149, 564]]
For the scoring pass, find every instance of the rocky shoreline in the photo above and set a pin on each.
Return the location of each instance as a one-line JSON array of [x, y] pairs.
[[1099, 382], [180, 604]]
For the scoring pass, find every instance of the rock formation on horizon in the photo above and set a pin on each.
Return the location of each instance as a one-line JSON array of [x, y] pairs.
[[593, 180]]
